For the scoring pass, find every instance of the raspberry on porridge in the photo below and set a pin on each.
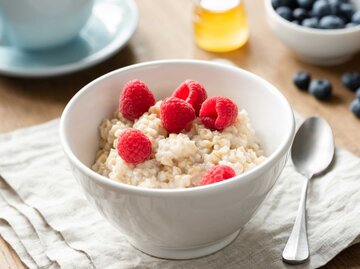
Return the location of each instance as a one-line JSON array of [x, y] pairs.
[[180, 156], [192, 92]]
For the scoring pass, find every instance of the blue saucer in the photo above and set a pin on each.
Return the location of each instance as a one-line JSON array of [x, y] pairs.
[[109, 28]]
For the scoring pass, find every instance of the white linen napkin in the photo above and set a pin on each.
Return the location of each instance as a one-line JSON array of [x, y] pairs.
[[9, 235], [46, 219]]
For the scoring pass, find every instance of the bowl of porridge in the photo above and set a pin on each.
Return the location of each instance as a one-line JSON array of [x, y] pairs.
[[177, 154]]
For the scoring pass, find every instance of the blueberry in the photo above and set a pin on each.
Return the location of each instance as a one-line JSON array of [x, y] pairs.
[[339, 1], [334, 2], [351, 80], [296, 22], [311, 22], [346, 10], [350, 25], [358, 93], [321, 8], [321, 89], [331, 22], [276, 3], [300, 14], [307, 4], [356, 17], [355, 107], [302, 80], [285, 12], [335, 7]]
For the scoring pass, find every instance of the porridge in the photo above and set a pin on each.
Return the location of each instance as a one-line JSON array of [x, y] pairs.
[[183, 141]]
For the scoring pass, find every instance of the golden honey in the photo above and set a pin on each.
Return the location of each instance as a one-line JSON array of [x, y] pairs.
[[220, 25]]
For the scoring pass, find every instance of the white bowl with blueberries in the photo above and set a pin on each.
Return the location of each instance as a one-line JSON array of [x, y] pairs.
[[321, 32]]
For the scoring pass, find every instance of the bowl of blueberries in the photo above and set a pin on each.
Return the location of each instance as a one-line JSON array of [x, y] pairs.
[[321, 32]]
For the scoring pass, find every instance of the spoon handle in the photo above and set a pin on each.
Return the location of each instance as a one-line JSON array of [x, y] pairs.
[[296, 250]]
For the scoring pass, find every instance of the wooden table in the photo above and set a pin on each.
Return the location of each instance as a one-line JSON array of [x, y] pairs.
[[165, 32]]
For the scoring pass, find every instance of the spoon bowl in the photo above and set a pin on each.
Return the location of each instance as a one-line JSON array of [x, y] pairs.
[[313, 147]]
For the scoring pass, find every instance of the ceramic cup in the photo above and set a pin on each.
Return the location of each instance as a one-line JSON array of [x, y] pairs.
[[38, 24]]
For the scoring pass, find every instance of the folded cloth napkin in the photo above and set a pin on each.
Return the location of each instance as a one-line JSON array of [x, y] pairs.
[[46, 219]]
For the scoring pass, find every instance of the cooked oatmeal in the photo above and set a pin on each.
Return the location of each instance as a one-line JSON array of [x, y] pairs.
[[177, 160]]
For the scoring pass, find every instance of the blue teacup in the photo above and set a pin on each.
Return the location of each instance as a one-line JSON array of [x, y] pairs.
[[39, 24]]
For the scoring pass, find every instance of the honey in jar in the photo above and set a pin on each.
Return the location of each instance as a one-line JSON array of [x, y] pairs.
[[220, 25]]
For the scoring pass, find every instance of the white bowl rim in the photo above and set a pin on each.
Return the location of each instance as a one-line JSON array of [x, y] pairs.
[[212, 188], [303, 29]]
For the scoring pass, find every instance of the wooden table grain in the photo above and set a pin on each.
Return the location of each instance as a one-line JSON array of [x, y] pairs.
[[165, 32]]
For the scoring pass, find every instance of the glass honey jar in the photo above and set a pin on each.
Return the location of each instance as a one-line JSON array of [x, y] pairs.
[[220, 25]]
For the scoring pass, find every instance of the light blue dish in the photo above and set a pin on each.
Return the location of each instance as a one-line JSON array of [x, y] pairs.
[[109, 28]]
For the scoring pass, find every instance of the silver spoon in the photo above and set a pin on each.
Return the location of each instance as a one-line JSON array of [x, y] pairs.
[[311, 153]]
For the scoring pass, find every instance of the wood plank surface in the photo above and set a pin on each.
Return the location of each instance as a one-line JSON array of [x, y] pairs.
[[165, 32]]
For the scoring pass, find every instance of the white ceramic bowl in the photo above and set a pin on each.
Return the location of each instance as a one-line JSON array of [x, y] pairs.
[[315, 46], [178, 223]]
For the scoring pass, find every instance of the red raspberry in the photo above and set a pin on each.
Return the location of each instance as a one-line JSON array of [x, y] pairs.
[[218, 112], [135, 99], [192, 92], [134, 146], [216, 174], [176, 114]]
